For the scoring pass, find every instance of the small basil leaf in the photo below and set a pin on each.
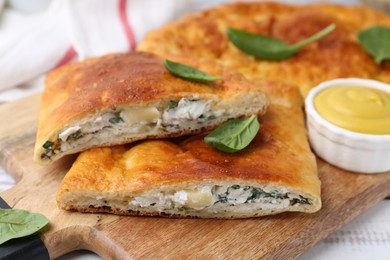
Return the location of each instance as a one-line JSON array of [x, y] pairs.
[[234, 135], [16, 223], [188, 72], [260, 46], [269, 48], [376, 41]]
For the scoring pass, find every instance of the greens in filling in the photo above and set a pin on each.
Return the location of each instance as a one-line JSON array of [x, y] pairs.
[[236, 194], [174, 116], [116, 120]]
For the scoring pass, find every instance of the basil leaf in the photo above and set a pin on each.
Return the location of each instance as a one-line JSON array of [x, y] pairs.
[[188, 72], [234, 135], [376, 41], [16, 223], [269, 48]]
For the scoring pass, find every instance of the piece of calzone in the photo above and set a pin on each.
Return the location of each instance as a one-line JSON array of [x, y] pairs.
[[276, 173], [121, 98]]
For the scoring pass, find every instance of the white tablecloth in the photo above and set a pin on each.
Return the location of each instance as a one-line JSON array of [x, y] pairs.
[[368, 236]]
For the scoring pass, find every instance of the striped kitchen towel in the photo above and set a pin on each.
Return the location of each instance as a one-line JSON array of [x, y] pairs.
[[33, 43]]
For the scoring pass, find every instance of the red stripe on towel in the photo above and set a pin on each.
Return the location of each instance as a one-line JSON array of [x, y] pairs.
[[69, 55], [126, 24]]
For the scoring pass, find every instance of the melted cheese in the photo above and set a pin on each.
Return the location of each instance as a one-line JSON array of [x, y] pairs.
[[199, 198], [71, 130], [135, 115]]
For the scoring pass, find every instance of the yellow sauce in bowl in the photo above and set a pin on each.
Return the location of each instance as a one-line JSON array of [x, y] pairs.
[[358, 109]]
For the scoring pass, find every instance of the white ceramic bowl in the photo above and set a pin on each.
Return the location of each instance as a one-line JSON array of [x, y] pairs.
[[352, 151]]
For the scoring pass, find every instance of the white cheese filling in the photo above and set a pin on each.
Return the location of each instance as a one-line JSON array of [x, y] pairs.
[[211, 196], [65, 134], [186, 110], [196, 199], [205, 200], [184, 114]]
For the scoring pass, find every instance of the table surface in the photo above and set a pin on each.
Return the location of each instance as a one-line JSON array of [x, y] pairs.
[[368, 236]]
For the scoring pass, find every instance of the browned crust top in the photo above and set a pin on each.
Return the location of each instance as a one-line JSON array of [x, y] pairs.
[[337, 55]]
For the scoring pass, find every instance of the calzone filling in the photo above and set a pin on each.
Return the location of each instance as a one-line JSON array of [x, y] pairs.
[[205, 198], [178, 115]]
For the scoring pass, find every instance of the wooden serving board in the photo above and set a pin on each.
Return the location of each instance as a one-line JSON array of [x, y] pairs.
[[345, 195]]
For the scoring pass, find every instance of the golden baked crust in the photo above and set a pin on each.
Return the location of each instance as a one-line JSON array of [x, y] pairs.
[[83, 92], [337, 55], [279, 159]]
